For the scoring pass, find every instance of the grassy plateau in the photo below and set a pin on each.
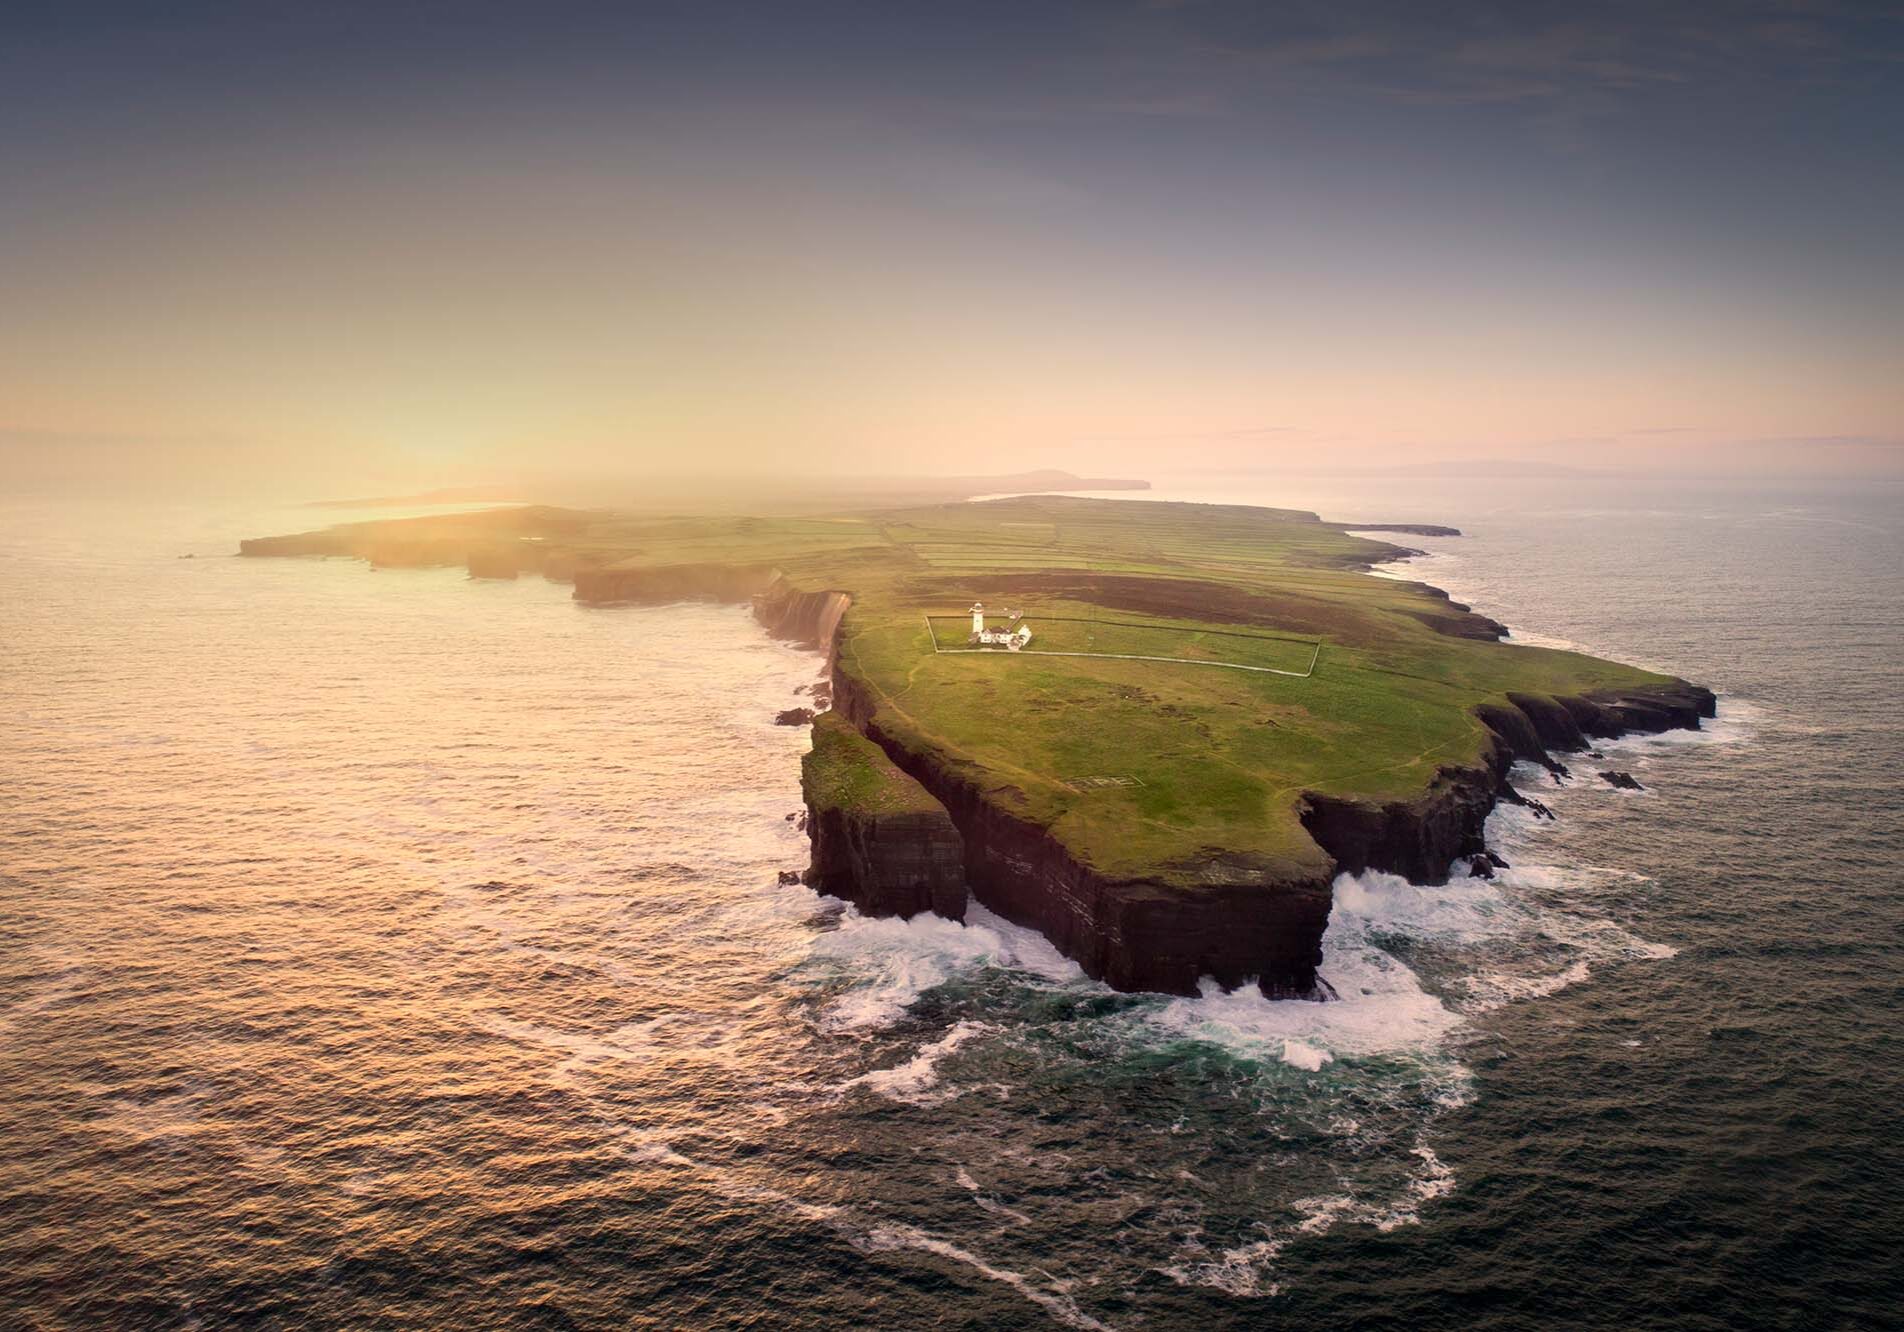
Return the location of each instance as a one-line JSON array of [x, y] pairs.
[[1140, 768]]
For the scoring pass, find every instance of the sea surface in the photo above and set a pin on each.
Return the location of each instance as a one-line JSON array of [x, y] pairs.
[[398, 950]]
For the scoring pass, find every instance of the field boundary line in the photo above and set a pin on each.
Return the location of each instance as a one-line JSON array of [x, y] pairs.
[[1314, 656], [1270, 635]]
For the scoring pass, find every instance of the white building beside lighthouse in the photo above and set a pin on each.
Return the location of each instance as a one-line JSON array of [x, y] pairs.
[[1012, 639]]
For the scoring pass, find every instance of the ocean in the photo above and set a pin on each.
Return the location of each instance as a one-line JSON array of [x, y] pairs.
[[400, 950]]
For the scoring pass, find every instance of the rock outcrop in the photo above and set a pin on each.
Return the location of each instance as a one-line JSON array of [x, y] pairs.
[[880, 840], [810, 617], [1412, 529]]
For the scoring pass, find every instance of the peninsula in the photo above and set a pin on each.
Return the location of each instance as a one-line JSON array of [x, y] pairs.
[[1213, 711]]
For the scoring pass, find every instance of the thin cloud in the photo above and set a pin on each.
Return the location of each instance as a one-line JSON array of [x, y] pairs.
[[1454, 55]]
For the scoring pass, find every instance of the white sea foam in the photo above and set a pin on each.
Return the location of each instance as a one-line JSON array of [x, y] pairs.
[[1242, 1270], [1025, 949], [914, 1080], [651, 1147], [891, 962], [1429, 1181], [1737, 722], [1053, 1298], [1381, 1007], [1418, 568], [1246, 1270], [1515, 937], [888, 963], [1300, 1054]]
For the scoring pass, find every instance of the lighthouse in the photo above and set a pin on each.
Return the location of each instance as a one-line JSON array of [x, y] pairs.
[[1012, 639]]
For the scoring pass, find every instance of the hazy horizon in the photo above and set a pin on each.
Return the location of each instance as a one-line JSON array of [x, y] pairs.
[[369, 250]]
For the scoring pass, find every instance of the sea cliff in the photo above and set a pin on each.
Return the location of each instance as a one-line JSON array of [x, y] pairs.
[[1246, 920], [879, 839], [1424, 838]]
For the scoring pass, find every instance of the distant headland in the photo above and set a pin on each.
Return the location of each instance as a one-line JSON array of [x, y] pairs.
[[762, 493]]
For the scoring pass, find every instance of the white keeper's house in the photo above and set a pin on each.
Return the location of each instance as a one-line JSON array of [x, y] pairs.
[[1012, 638]]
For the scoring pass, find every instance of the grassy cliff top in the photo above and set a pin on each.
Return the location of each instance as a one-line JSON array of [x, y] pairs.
[[1143, 769], [847, 771]]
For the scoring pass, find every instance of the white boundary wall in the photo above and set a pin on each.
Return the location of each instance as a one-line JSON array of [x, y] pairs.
[[1121, 656]]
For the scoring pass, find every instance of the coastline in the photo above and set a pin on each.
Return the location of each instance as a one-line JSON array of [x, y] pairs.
[[1164, 921]]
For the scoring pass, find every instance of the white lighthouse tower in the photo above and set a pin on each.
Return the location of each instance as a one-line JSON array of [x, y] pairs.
[[978, 618]]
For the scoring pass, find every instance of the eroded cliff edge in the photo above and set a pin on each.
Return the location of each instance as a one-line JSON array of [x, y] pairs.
[[1246, 919], [880, 840], [1423, 838]]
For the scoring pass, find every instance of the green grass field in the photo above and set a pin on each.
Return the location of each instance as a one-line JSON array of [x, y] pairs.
[[1165, 643], [847, 770]]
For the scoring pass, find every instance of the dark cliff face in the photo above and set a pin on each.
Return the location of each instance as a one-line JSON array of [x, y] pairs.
[[1247, 923], [786, 611], [1421, 839], [1411, 529], [1456, 619], [812, 618], [888, 864], [1418, 839], [1251, 922], [880, 840]]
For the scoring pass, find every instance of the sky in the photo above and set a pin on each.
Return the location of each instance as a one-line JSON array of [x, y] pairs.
[[436, 244]]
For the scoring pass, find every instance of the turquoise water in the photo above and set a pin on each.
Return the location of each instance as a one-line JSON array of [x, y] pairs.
[[400, 950]]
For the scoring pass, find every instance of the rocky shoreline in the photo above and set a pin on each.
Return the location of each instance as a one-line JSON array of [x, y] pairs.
[[1422, 839]]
